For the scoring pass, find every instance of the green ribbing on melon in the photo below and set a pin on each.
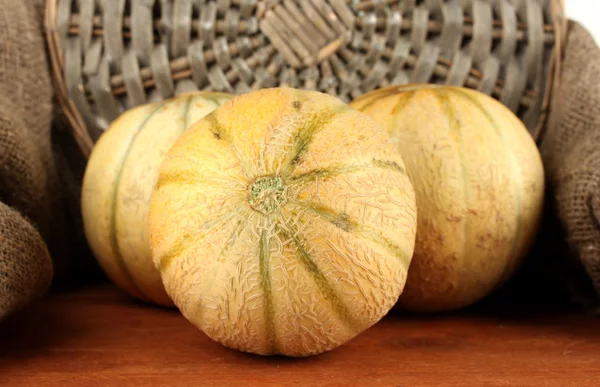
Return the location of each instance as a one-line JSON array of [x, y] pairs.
[[479, 183], [291, 231], [118, 182]]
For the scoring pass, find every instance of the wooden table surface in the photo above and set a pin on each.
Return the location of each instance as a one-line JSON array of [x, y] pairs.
[[99, 337]]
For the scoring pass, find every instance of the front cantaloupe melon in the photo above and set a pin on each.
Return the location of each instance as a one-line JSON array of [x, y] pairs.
[[118, 181], [479, 182], [283, 223]]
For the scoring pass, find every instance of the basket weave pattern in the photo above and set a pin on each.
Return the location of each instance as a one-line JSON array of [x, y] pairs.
[[111, 55]]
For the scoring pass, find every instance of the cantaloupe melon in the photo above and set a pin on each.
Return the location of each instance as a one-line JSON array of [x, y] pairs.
[[479, 182], [119, 179], [283, 223]]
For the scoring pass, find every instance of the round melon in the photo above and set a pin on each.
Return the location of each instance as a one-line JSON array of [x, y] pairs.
[[479, 182], [118, 182], [283, 223]]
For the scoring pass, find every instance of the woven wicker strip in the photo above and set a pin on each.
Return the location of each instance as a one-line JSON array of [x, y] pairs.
[[111, 55]]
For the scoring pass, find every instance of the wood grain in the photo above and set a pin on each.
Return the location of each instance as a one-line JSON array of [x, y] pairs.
[[100, 337]]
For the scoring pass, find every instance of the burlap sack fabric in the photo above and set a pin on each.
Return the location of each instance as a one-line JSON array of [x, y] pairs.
[[25, 265], [35, 223], [571, 154]]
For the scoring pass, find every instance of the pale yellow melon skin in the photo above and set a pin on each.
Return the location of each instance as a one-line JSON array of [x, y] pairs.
[[295, 281], [118, 182], [479, 182]]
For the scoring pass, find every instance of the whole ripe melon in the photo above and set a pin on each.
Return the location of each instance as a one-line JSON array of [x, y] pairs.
[[118, 182], [283, 223], [479, 181]]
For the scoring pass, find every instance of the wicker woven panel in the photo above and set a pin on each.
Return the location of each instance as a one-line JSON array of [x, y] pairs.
[[111, 55]]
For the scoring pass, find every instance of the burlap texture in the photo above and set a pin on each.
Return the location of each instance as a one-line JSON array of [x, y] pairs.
[[571, 153], [25, 264], [30, 183]]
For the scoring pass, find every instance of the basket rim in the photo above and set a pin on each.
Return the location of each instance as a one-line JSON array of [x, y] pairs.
[[82, 136], [560, 22], [76, 125]]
